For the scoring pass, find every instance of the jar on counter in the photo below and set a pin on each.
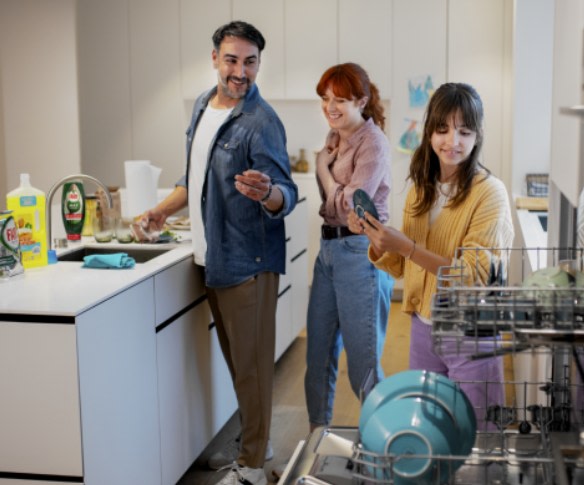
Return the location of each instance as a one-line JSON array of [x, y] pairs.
[[90, 208]]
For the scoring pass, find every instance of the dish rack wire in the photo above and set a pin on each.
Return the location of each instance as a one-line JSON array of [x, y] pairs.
[[482, 310]]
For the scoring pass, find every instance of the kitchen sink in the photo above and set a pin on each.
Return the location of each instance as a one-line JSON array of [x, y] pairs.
[[141, 255]]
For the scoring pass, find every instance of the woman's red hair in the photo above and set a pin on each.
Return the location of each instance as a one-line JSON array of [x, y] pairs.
[[351, 81]]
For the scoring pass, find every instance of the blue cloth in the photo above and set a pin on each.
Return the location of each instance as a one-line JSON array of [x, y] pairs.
[[109, 261], [349, 304], [243, 237]]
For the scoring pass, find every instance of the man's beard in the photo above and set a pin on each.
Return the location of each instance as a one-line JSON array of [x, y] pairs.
[[227, 91]]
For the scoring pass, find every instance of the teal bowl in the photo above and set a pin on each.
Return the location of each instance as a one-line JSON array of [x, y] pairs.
[[411, 430], [430, 386]]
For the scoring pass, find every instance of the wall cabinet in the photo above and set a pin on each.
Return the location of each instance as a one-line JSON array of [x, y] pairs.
[[310, 30], [567, 143], [197, 22], [365, 37], [288, 69], [268, 17]]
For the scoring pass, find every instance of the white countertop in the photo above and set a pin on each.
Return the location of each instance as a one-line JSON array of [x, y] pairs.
[[67, 289]]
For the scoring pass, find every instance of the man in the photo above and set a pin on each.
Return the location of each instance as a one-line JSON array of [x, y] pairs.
[[238, 187]]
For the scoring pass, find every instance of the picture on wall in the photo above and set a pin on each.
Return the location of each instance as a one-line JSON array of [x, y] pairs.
[[410, 139], [420, 89]]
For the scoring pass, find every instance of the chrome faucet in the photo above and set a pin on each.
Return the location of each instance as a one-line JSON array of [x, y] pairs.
[[54, 188]]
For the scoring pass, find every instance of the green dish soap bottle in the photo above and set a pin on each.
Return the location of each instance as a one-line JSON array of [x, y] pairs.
[[73, 209]]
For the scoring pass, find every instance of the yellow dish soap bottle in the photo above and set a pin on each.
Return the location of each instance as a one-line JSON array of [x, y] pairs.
[[28, 209]]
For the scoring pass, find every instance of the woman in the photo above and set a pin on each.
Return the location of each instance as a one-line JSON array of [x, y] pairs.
[[454, 202], [349, 299]]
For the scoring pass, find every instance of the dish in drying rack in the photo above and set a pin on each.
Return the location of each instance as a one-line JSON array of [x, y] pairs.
[[429, 386]]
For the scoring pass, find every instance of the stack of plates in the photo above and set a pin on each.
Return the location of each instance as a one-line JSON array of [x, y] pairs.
[[412, 416]]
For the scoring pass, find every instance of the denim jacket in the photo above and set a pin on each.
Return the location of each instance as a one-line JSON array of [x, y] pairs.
[[243, 237]]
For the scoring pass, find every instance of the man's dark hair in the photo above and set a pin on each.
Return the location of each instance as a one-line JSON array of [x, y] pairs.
[[241, 29]]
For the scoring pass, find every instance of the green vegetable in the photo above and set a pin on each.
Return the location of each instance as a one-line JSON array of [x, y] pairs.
[[168, 233]]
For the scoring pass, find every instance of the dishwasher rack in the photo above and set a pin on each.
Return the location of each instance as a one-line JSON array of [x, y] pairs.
[[481, 310], [539, 334]]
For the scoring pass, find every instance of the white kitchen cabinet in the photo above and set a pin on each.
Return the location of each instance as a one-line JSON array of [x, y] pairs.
[[268, 17], [195, 394], [310, 44], [292, 300], [567, 142], [481, 57], [40, 421], [176, 288], [10, 481], [412, 61], [300, 289], [284, 334], [118, 389], [198, 20], [156, 94], [364, 33], [308, 189]]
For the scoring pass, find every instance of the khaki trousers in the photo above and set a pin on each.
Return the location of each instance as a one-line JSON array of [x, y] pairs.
[[245, 317]]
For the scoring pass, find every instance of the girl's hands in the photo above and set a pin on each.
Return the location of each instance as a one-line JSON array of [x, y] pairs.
[[382, 238]]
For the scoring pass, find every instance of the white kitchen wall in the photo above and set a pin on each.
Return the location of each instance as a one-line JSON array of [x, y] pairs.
[[135, 72], [38, 90]]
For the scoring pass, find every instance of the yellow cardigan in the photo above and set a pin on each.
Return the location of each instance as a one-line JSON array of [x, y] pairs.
[[483, 220]]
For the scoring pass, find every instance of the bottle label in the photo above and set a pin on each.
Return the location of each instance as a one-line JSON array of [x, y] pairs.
[[73, 209], [28, 201], [74, 205], [30, 246], [9, 246]]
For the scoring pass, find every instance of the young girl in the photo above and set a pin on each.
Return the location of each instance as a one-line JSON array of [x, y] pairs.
[[454, 202]]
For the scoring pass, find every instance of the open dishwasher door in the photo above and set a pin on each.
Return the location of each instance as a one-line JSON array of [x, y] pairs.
[[323, 458]]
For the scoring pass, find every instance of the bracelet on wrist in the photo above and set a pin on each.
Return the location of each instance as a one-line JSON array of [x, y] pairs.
[[267, 196], [409, 256]]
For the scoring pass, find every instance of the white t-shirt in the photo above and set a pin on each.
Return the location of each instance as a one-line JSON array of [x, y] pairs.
[[444, 191], [207, 128], [443, 198]]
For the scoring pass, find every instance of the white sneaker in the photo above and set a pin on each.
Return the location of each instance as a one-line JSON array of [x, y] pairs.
[[230, 453], [244, 475]]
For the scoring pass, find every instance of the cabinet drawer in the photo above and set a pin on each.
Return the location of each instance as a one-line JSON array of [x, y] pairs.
[[177, 287], [296, 229]]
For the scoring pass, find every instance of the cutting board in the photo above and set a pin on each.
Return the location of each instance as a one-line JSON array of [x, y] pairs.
[[532, 203]]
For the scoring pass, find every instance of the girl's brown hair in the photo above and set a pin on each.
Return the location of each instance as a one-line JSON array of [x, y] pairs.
[[351, 81], [448, 100]]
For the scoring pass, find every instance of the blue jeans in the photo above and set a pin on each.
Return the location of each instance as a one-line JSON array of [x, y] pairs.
[[349, 304]]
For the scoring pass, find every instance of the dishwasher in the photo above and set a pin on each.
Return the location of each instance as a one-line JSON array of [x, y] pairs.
[[537, 435]]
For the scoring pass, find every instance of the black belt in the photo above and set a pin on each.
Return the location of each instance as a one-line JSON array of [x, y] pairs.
[[334, 232]]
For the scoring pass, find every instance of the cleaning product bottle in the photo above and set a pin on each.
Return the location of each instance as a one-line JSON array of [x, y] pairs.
[[28, 209], [73, 209]]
